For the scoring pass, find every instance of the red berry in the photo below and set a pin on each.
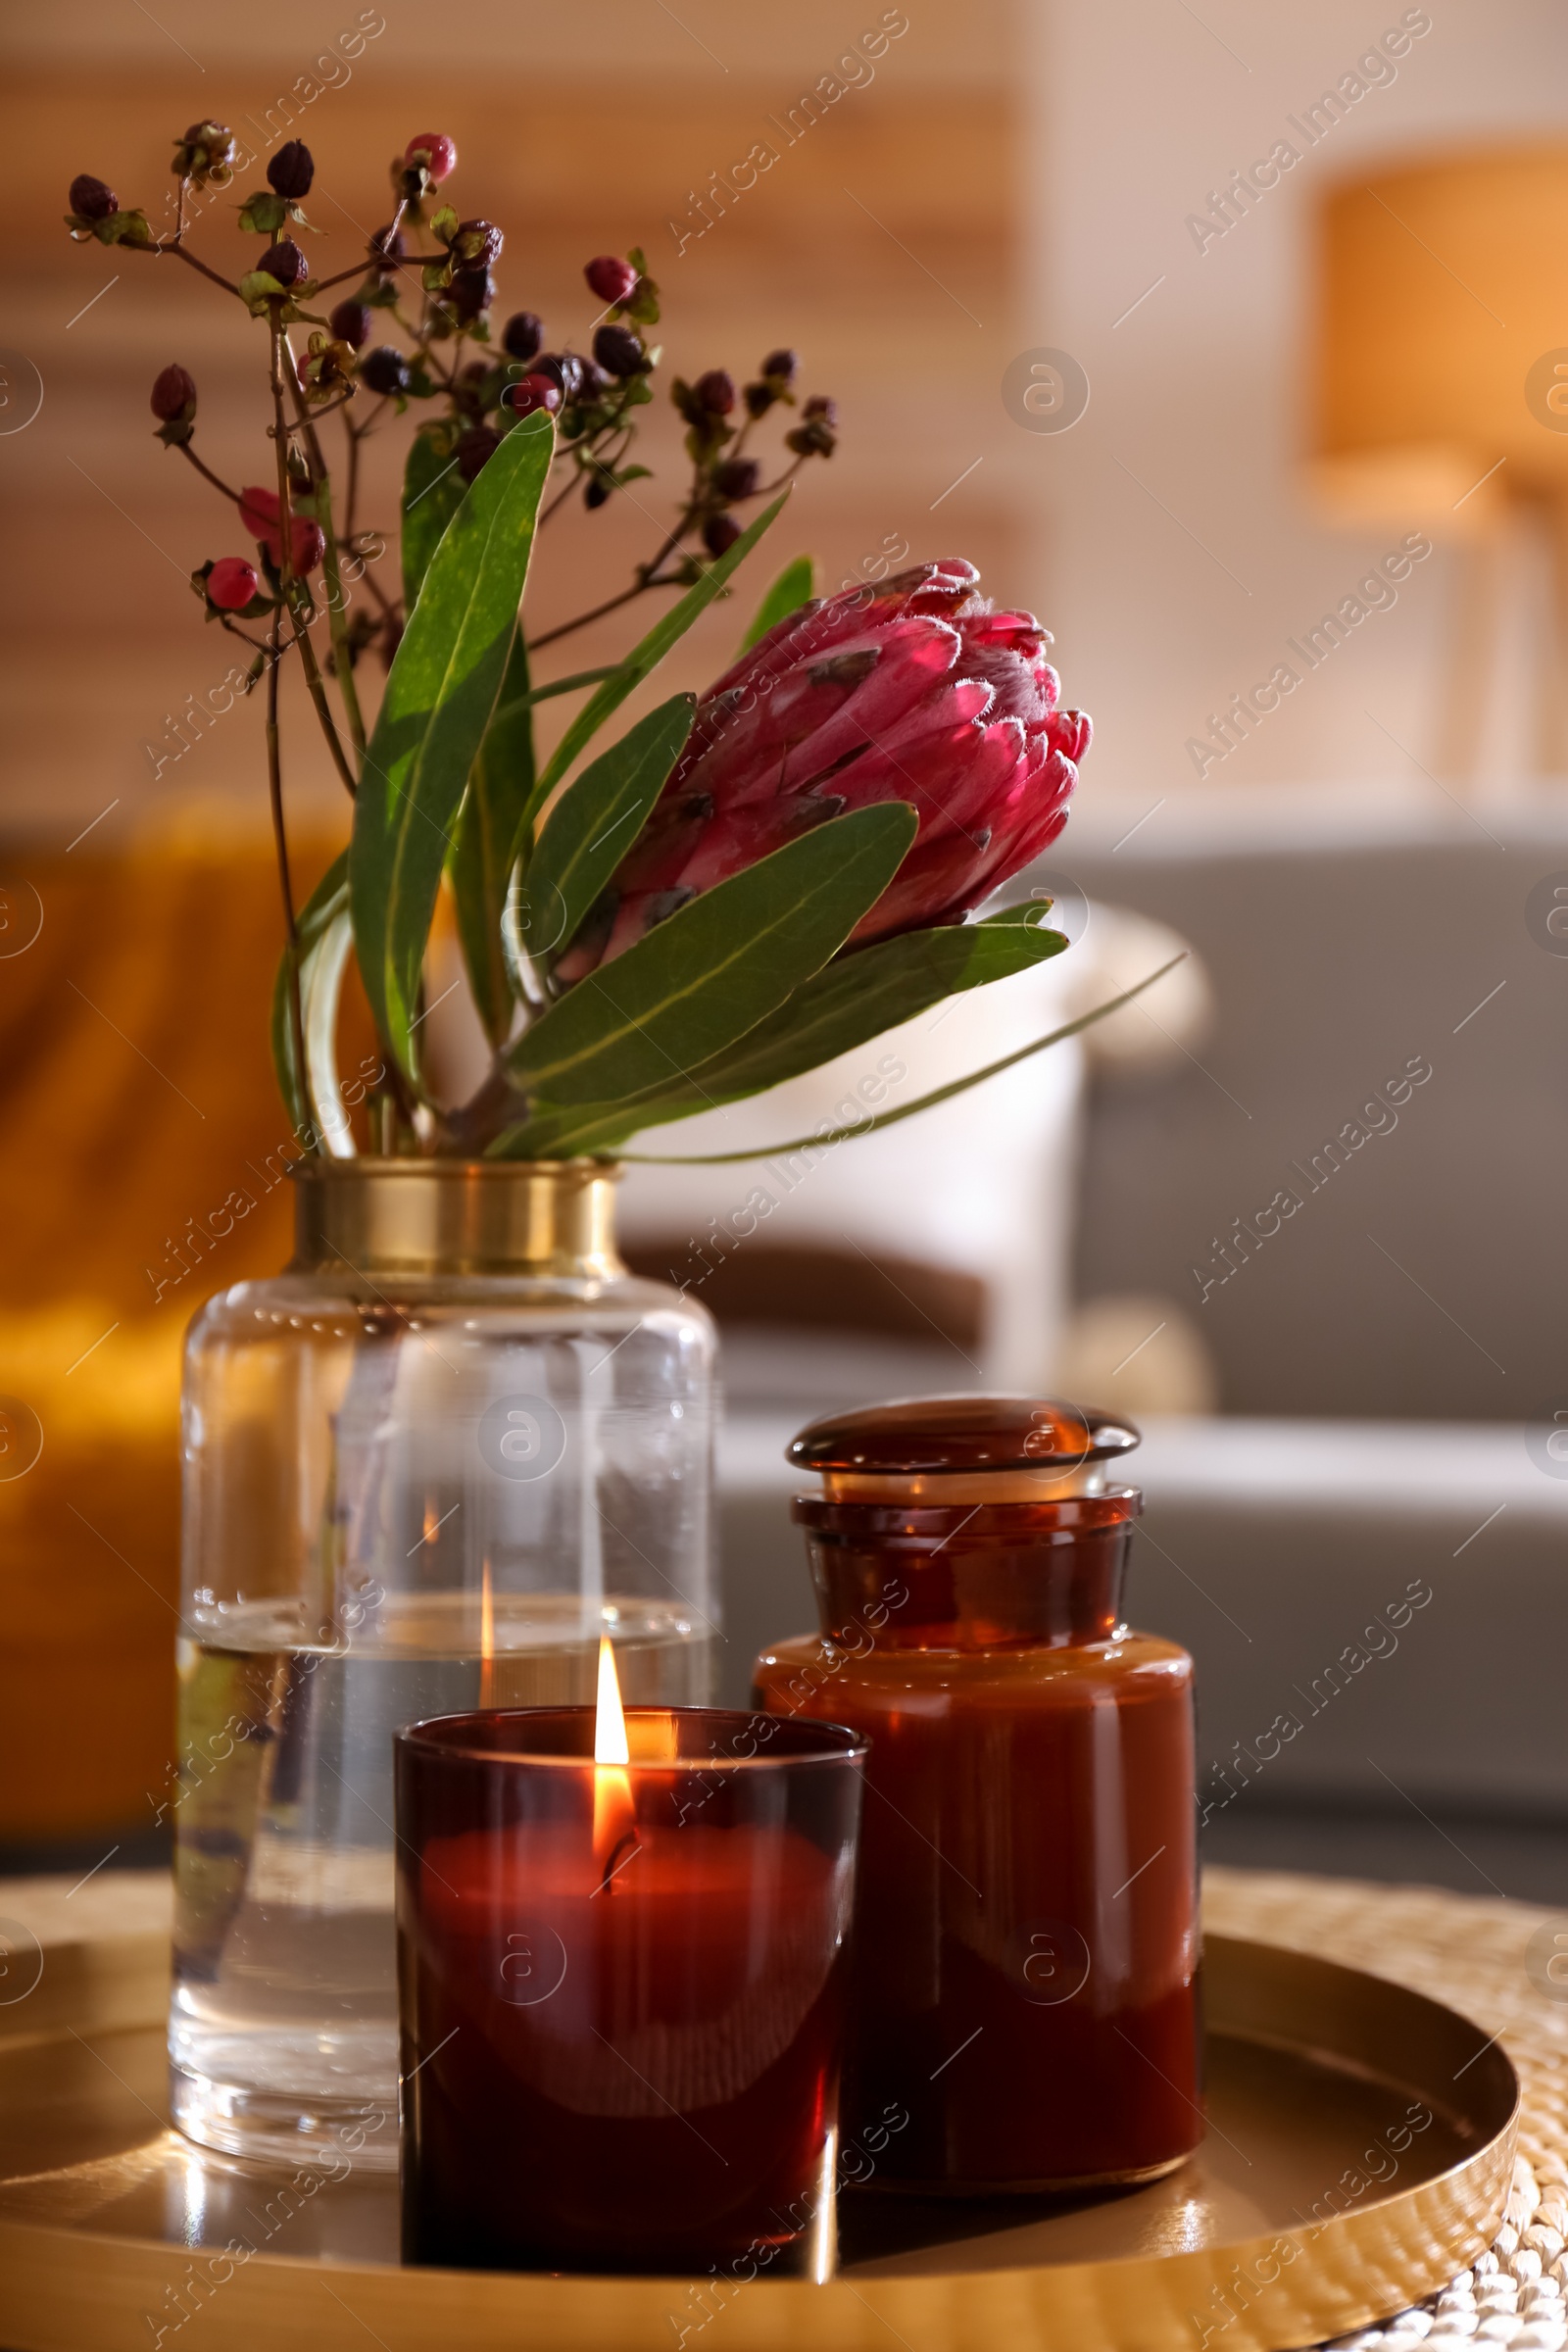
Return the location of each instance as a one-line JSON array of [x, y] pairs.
[[610, 278], [535, 392], [309, 542], [435, 150], [232, 583], [258, 512]]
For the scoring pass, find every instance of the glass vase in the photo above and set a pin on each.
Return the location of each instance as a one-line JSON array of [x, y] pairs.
[[425, 1468]]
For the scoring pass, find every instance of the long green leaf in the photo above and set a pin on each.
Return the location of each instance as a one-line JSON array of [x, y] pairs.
[[852, 1000], [794, 586], [907, 1111], [433, 493], [717, 967], [643, 659], [498, 786], [594, 822], [311, 1097], [439, 695]]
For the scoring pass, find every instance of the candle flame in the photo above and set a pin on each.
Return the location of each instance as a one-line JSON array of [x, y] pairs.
[[609, 1717], [615, 1809], [487, 1638]]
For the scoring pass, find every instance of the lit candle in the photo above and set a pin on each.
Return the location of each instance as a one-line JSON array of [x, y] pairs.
[[621, 1959]]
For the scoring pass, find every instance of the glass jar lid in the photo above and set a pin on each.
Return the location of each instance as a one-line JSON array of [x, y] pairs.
[[934, 1437]]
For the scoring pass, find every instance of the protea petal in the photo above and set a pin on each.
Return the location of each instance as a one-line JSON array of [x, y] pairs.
[[911, 690]]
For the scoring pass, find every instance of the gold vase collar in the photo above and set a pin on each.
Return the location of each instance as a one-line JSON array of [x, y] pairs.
[[553, 1217]]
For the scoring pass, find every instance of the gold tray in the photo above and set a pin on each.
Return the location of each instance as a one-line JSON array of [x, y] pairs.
[[1313, 2207]]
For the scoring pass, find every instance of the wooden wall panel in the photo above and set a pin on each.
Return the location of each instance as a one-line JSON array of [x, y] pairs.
[[906, 317]]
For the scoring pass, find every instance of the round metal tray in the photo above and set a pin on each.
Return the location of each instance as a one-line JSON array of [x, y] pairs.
[[1320, 2201]]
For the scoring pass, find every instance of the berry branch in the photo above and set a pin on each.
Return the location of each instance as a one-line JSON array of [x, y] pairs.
[[466, 386]]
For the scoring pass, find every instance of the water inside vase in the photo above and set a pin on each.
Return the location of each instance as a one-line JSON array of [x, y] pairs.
[[284, 2027]]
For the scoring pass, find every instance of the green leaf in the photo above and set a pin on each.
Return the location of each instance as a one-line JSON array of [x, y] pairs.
[[255, 290], [439, 695], [595, 821], [498, 785], [907, 1110], [325, 934], [794, 586], [643, 659], [433, 493], [850, 1001], [263, 213], [717, 967]]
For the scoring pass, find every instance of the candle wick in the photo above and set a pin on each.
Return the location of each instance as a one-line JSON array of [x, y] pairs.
[[612, 1865]]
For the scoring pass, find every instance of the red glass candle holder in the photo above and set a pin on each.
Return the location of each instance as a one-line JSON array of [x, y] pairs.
[[621, 1985], [1024, 1981]]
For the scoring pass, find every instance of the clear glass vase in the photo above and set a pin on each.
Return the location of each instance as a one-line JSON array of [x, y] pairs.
[[425, 1468]]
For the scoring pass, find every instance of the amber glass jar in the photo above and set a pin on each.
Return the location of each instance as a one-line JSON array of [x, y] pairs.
[[1024, 1980]]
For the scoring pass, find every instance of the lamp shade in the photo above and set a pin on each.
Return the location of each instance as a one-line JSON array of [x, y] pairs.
[[1441, 350]]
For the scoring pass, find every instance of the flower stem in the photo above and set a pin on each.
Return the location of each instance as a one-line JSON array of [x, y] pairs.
[[274, 781], [285, 541], [337, 619], [206, 471], [612, 605]]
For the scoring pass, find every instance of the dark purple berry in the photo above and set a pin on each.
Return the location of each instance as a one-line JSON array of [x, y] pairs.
[[619, 349], [597, 493], [291, 170], [387, 244], [720, 533], [781, 366], [736, 477], [284, 262], [471, 292], [477, 243], [715, 392], [90, 199], [565, 370], [475, 448], [827, 411], [522, 335], [173, 394], [384, 370], [351, 322]]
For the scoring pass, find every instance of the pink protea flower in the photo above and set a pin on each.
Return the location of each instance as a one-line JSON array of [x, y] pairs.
[[914, 691]]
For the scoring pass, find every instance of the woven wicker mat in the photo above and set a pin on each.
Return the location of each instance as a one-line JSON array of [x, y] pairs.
[[1472, 1954]]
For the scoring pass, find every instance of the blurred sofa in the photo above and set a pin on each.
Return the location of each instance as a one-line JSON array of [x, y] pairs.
[[1371, 1275]]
